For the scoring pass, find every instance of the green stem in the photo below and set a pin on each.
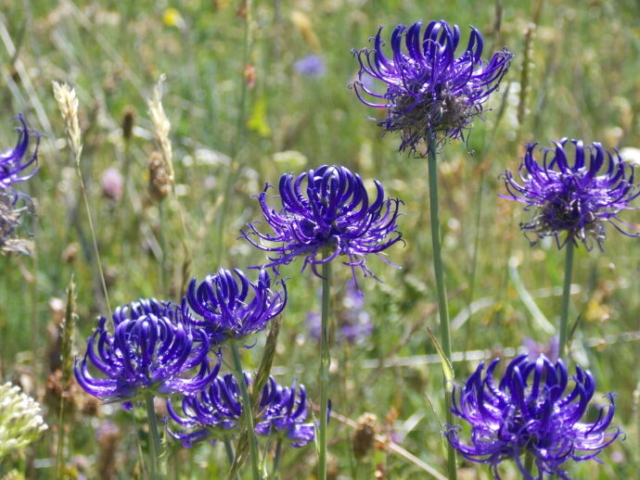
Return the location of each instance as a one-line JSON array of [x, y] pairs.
[[443, 308], [154, 441], [60, 456], [163, 246], [248, 412], [238, 139], [276, 459], [229, 449], [325, 363], [94, 240], [566, 296], [528, 463]]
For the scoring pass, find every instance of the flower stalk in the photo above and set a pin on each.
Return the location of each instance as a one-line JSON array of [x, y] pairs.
[[566, 297], [254, 452], [443, 308], [325, 364], [154, 441]]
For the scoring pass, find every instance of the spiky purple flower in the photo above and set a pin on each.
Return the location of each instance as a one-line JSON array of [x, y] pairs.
[[326, 213], [283, 411], [530, 411], [154, 349], [16, 165], [429, 91], [217, 410], [573, 199], [231, 307]]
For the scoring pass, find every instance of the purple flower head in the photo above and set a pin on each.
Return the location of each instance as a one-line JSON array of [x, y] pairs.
[[15, 165], [310, 66], [429, 92], [231, 307], [573, 200], [325, 213], [530, 411], [283, 411], [154, 349], [215, 410], [218, 409]]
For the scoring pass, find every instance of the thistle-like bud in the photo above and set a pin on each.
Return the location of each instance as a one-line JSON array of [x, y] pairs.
[[364, 437]]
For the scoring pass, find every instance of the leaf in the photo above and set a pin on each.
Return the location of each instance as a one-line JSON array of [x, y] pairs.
[[447, 368]]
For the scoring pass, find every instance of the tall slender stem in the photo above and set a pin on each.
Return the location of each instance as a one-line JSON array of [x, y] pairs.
[[276, 459], [248, 412], [528, 463], [325, 363], [566, 296], [154, 441], [229, 449], [443, 308], [94, 241], [61, 432]]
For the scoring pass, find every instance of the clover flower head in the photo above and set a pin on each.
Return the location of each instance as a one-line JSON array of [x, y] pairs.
[[231, 307], [326, 212], [218, 409], [16, 165], [573, 200], [531, 410], [21, 421], [153, 349], [429, 91]]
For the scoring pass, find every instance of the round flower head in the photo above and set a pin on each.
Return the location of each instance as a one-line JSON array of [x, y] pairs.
[[218, 409], [15, 163], [573, 200], [530, 411], [429, 91], [332, 214], [231, 307], [152, 350]]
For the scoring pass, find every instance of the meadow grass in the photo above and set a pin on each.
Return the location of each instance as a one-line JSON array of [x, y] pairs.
[[232, 132]]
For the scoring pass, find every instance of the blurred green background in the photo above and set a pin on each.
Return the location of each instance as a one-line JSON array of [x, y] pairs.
[[241, 116]]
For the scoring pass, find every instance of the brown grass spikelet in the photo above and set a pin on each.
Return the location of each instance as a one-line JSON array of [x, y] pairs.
[[161, 127], [68, 103], [159, 177], [128, 121], [364, 437]]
